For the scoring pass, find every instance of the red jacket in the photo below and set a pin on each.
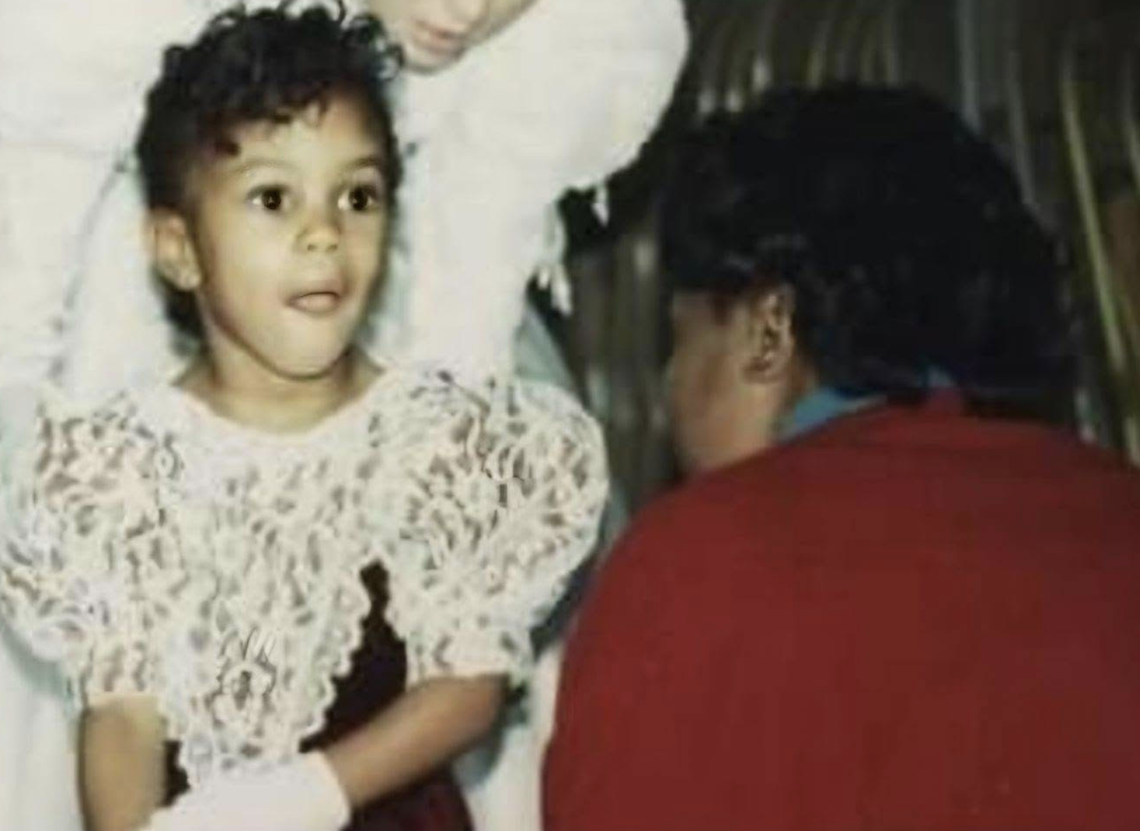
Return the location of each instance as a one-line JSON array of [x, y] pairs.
[[907, 619]]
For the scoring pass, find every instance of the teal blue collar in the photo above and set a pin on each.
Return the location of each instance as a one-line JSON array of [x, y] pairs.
[[819, 407], [826, 403]]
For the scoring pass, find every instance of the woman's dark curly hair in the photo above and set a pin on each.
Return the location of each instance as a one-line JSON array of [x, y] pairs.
[[265, 65], [902, 235]]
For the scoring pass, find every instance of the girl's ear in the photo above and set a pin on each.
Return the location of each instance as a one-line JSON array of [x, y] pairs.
[[172, 250]]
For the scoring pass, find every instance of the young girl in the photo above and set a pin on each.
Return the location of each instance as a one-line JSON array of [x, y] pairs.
[[548, 94], [313, 574]]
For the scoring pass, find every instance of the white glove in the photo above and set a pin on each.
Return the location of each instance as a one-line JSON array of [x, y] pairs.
[[301, 795]]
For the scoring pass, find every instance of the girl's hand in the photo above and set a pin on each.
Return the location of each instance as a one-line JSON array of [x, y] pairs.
[[301, 795]]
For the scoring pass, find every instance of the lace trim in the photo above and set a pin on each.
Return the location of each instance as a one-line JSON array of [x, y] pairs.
[[224, 578], [188, 415]]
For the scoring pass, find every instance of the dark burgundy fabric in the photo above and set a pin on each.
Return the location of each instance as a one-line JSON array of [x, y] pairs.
[[907, 619], [376, 679]]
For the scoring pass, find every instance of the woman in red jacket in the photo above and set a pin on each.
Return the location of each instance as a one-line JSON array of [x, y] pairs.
[[886, 598]]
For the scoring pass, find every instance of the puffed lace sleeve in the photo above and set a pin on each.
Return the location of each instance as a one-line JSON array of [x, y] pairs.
[[504, 502], [78, 548]]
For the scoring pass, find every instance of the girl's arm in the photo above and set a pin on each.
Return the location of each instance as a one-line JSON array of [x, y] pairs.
[[425, 727], [122, 775], [121, 751], [421, 730]]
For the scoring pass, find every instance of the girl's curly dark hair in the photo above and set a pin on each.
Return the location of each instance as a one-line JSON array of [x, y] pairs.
[[902, 235], [264, 65]]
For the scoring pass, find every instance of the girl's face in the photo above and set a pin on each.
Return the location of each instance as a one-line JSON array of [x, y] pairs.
[[284, 240], [435, 33]]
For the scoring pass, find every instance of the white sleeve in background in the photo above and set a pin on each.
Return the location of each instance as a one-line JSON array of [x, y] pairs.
[[37, 744], [502, 777], [46, 197], [561, 99], [72, 85], [118, 335], [72, 76]]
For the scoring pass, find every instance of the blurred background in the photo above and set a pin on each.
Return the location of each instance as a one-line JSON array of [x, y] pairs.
[[1055, 84]]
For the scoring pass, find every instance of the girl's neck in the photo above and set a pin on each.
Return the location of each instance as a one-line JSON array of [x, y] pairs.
[[277, 404]]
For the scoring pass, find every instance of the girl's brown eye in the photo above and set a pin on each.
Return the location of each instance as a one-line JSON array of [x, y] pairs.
[[269, 198], [362, 198]]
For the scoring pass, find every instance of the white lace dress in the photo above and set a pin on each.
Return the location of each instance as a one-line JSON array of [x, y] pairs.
[[151, 546]]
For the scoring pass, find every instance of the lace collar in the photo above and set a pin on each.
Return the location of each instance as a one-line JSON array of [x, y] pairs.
[[183, 413]]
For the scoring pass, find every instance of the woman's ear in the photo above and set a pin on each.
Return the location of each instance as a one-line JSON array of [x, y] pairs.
[[172, 250], [770, 343]]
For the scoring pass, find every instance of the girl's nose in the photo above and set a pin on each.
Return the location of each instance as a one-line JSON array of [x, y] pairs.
[[321, 234]]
